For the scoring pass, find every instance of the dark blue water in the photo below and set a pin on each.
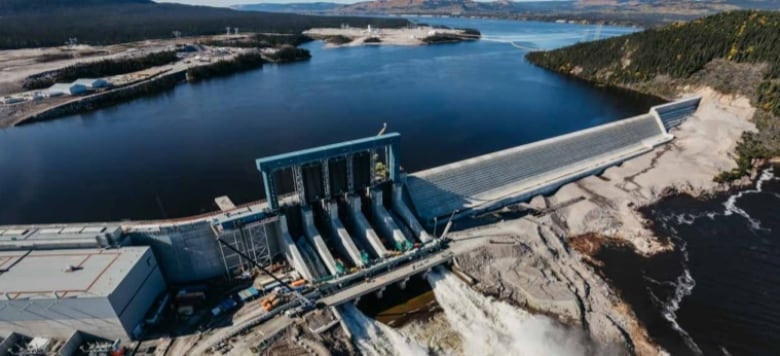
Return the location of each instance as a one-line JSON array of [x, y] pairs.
[[724, 297], [171, 154]]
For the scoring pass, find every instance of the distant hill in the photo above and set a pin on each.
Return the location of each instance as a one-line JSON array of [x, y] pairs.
[[734, 52], [645, 13], [8, 6], [36, 23]]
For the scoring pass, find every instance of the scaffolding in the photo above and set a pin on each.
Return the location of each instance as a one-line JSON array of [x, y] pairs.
[[256, 239]]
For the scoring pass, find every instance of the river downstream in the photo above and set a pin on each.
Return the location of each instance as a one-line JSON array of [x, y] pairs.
[[723, 299]]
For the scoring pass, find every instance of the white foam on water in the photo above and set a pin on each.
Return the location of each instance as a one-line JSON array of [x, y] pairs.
[[767, 175], [731, 203], [684, 284], [683, 287], [377, 339], [491, 327]]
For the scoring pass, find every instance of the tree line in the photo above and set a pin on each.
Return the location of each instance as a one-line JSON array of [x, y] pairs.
[[44, 23], [98, 69], [681, 51]]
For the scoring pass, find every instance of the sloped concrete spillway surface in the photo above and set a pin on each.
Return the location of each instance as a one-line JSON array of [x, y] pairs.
[[458, 186], [362, 227], [311, 258], [520, 172], [406, 215], [340, 236], [384, 221], [314, 238], [291, 252]]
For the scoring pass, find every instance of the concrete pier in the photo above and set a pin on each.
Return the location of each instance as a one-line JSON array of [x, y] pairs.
[[316, 240], [340, 236], [311, 258], [384, 221], [406, 215], [292, 253], [362, 228]]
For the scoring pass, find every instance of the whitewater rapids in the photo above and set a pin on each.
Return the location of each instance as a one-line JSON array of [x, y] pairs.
[[377, 339], [491, 327]]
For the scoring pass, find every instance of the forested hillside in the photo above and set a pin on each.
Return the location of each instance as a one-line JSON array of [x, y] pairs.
[[736, 52], [36, 23]]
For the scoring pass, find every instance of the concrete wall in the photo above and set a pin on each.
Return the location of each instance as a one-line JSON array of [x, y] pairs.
[[258, 240], [71, 345], [186, 253], [58, 318], [673, 114], [136, 293], [112, 317]]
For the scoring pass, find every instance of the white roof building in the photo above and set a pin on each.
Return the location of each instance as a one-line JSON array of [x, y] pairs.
[[92, 83], [103, 292], [67, 89]]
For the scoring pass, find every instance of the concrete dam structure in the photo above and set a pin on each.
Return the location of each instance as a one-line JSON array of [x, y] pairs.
[[335, 207], [517, 174], [336, 214]]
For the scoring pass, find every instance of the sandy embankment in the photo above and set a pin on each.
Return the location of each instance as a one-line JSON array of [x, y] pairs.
[[535, 267], [391, 36], [702, 148]]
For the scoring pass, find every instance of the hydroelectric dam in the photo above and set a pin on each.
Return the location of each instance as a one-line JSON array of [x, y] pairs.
[[342, 217]]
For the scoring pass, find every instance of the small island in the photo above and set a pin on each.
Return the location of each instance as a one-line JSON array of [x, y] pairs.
[[421, 35]]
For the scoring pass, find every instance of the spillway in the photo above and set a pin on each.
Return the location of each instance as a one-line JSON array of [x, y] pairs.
[[316, 240], [400, 208], [384, 221], [491, 327], [291, 252], [361, 228], [340, 236], [311, 258], [377, 339], [519, 173]]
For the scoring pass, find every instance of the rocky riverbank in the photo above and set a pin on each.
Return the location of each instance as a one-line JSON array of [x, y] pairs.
[[537, 267]]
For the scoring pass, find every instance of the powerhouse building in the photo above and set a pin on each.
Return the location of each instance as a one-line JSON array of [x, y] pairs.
[[52, 293]]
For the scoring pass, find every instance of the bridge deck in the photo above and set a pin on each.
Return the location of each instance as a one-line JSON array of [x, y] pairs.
[[399, 273]]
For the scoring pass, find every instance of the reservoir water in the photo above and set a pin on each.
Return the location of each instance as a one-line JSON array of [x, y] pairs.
[[169, 155]]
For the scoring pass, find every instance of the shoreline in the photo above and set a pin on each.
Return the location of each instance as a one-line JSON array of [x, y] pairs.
[[541, 272], [149, 81], [418, 36]]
